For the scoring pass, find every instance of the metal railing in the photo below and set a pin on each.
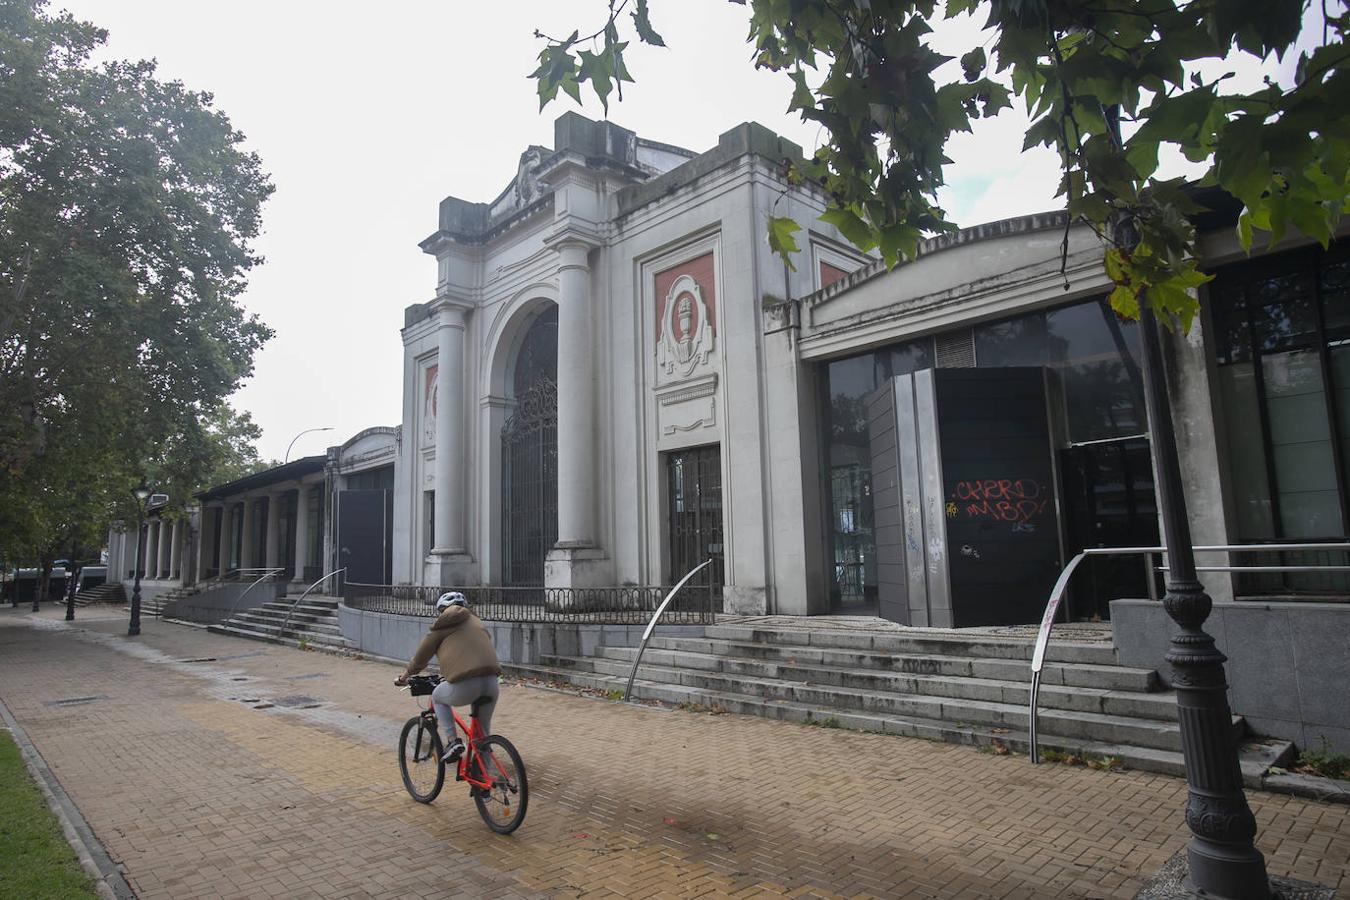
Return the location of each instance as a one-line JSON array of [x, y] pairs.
[[1147, 554], [290, 612], [651, 626], [628, 605]]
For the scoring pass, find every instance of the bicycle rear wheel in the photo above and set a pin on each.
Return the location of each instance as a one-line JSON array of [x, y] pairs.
[[419, 760], [503, 806]]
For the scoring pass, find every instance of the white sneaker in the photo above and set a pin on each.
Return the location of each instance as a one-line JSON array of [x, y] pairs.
[[453, 752]]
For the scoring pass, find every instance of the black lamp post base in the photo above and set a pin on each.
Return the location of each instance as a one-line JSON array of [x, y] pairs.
[[1173, 882]]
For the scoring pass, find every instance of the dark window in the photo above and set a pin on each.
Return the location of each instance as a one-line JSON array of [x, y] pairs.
[[694, 482], [1281, 327]]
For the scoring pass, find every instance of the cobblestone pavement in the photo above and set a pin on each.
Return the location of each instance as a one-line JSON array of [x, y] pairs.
[[213, 766]]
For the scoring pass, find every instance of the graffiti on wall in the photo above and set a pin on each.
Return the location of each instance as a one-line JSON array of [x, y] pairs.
[[1019, 502]]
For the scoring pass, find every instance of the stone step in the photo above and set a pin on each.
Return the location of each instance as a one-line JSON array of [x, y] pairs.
[[1072, 724], [325, 643], [928, 642], [1087, 675], [1157, 705], [282, 615], [245, 620], [316, 600], [304, 608], [1149, 759]]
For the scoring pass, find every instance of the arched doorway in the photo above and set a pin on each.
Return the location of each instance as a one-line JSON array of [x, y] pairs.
[[529, 447]]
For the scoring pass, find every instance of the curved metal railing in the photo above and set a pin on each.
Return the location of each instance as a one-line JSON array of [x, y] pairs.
[[290, 612], [651, 626], [267, 575], [1062, 584]]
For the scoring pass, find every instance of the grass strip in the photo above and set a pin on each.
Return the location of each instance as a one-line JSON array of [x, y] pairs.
[[35, 861]]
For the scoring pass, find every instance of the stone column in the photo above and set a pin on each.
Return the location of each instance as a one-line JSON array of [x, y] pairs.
[[576, 399], [450, 559], [301, 531], [164, 546], [175, 552], [246, 560], [150, 564], [575, 561], [273, 530], [206, 515], [223, 538]]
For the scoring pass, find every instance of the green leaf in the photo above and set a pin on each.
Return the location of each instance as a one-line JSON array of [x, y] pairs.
[[851, 226], [1124, 302], [802, 98], [781, 240], [973, 63], [643, 23]]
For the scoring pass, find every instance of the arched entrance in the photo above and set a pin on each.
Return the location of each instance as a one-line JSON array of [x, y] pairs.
[[529, 448]]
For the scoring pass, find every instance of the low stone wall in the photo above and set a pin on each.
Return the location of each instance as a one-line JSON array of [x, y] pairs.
[[149, 589], [213, 606], [521, 643], [1288, 663]]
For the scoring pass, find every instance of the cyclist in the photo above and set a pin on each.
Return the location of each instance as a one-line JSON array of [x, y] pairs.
[[469, 667]]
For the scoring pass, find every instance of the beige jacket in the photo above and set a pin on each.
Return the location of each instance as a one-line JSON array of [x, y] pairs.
[[461, 645]]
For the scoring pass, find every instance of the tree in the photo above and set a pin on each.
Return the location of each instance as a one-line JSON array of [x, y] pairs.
[[1084, 68], [128, 208]]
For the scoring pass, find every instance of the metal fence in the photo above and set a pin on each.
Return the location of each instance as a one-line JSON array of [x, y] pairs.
[[693, 605]]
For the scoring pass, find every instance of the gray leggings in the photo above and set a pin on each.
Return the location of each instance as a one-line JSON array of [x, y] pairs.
[[463, 693]]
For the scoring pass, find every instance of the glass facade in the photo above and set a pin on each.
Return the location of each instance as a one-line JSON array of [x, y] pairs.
[[1282, 349], [1097, 396]]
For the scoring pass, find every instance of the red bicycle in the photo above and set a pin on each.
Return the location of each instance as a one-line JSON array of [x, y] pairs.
[[491, 765]]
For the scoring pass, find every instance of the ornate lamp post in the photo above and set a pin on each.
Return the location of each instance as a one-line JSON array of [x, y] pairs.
[[142, 495], [1223, 861]]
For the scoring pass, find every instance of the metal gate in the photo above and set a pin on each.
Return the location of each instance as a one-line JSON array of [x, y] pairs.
[[530, 484], [694, 480]]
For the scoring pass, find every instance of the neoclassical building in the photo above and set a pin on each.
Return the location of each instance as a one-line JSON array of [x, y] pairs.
[[616, 380], [589, 398]]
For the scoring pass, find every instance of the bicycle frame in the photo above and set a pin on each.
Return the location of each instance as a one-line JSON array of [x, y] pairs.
[[472, 734]]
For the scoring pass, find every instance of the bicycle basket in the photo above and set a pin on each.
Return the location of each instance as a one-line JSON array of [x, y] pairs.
[[421, 685]]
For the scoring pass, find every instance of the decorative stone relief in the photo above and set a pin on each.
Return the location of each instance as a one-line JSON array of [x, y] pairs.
[[688, 406], [429, 405], [686, 335]]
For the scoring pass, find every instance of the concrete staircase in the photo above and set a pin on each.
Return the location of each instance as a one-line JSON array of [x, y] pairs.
[[314, 623], [108, 592], [946, 686]]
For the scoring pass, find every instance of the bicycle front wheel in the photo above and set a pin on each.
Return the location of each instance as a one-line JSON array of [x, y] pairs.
[[419, 760], [503, 805]]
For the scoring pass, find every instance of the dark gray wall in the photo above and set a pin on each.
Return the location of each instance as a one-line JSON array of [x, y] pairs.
[[1288, 663]]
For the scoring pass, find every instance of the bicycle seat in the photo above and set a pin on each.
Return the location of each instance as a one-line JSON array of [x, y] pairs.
[[481, 701]]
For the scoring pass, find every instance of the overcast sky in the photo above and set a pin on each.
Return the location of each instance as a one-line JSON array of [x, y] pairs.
[[366, 119]]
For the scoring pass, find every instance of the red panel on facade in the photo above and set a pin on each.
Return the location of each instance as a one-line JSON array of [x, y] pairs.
[[701, 270], [830, 274]]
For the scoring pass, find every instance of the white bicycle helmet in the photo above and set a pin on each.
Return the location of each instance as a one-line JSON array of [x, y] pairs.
[[449, 599]]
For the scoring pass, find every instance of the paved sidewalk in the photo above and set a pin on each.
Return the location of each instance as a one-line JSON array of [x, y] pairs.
[[211, 766]]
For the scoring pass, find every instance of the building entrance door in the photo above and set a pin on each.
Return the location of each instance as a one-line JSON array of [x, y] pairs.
[[1108, 502], [364, 530], [694, 498], [530, 485]]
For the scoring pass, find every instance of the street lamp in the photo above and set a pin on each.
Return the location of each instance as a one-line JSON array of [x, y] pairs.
[[297, 437], [142, 495]]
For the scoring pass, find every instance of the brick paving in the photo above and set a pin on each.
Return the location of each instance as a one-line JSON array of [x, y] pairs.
[[196, 762]]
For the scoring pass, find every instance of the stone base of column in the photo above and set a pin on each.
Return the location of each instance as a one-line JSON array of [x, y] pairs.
[[449, 568], [577, 566], [744, 601]]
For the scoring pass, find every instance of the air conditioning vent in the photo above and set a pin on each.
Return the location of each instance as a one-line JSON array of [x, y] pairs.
[[956, 350]]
